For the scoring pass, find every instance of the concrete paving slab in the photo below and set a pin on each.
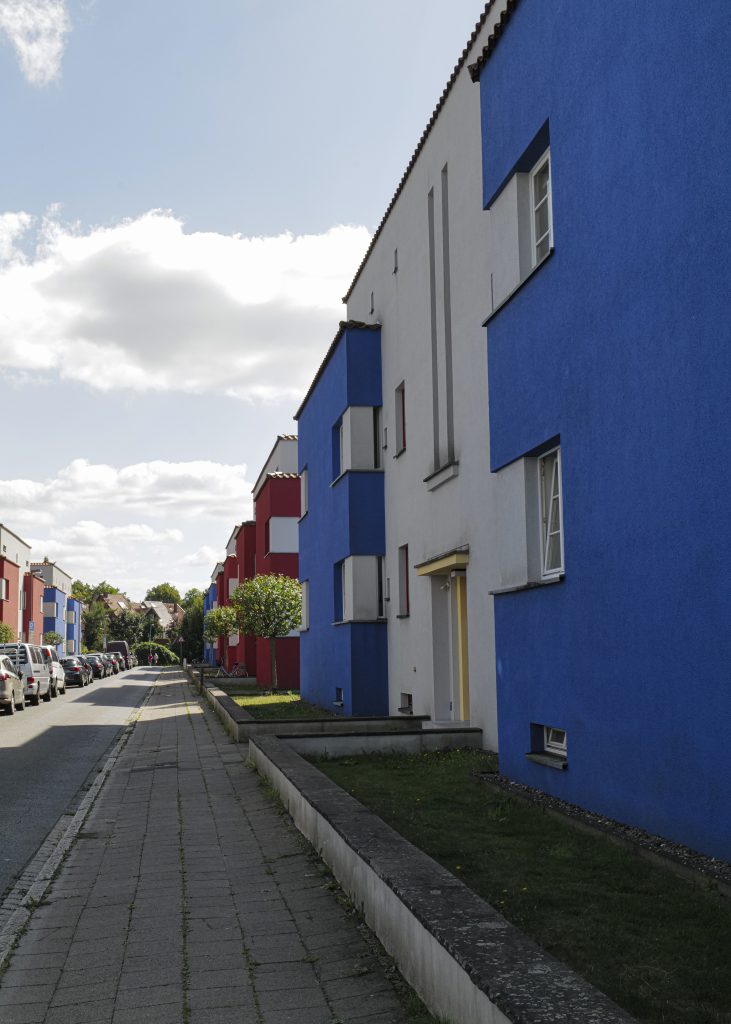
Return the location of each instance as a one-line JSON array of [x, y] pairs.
[[188, 895]]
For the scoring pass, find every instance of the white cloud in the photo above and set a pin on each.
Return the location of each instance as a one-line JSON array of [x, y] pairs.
[[145, 305], [133, 525], [37, 30], [173, 490]]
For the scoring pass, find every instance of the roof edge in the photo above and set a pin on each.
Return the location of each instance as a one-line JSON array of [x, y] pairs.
[[422, 141], [494, 38], [345, 325]]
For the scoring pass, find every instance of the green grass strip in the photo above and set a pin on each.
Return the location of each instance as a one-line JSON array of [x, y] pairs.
[[657, 945]]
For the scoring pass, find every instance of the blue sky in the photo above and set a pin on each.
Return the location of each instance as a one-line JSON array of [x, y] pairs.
[[186, 191]]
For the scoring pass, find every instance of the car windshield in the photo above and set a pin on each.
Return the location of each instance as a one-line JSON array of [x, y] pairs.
[[69, 661]]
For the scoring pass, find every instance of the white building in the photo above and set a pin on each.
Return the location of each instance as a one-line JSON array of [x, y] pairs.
[[426, 280]]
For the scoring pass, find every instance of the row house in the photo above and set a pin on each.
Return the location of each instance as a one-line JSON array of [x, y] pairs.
[[342, 529], [413, 398], [14, 566], [521, 416], [57, 588], [276, 513], [266, 544], [609, 370]]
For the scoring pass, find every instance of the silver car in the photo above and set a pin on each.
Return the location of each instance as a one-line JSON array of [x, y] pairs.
[[12, 697]]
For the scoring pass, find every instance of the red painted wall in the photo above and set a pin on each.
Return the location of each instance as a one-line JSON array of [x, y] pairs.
[[279, 496], [33, 587], [10, 607]]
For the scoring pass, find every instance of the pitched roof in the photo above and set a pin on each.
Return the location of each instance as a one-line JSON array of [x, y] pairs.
[[424, 136], [493, 39], [345, 325]]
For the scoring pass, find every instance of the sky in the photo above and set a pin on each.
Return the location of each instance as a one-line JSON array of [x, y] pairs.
[[186, 192]]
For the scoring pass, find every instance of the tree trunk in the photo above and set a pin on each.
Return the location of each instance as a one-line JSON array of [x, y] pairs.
[[273, 657]]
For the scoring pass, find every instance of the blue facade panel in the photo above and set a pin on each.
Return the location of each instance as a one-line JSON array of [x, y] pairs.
[[55, 623], [619, 346], [345, 661], [73, 629], [209, 601]]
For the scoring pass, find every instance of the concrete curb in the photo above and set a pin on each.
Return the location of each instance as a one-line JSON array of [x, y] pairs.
[[461, 956], [19, 919]]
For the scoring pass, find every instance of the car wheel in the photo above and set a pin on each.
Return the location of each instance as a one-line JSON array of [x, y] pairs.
[[10, 709], [47, 695], [54, 692], [62, 689], [35, 700]]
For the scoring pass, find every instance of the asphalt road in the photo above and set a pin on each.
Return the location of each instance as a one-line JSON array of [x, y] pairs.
[[46, 755]]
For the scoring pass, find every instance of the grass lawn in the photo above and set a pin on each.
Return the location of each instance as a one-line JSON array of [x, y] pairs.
[[657, 945], [283, 704]]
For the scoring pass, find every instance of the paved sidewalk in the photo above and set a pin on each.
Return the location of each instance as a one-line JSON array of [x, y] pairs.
[[188, 898]]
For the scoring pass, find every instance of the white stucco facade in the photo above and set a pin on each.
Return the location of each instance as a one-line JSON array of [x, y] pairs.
[[427, 282]]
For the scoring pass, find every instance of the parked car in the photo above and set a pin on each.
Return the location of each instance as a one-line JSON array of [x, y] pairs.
[[77, 674], [58, 681], [96, 663], [30, 665], [12, 696], [112, 667], [84, 659], [120, 660], [120, 647]]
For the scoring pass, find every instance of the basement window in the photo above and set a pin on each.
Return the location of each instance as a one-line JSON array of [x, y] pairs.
[[406, 706], [548, 746]]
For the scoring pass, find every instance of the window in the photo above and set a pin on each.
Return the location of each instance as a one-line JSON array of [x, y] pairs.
[[549, 483], [3, 590], [400, 417], [541, 214], [305, 624], [373, 304], [554, 740], [304, 494], [403, 580], [407, 704], [381, 584], [266, 537], [377, 437], [339, 701], [338, 579], [338, 455], [395, 261]]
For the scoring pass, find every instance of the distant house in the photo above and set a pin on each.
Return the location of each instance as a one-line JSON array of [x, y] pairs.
[[238, 650], [33, 590], [210, 648], [55, 599], [14, 564], [119, 603], [276, 513], [74, 612]]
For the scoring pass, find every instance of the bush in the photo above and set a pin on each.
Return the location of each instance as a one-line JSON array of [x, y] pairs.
[[164, 655], [7, 634]]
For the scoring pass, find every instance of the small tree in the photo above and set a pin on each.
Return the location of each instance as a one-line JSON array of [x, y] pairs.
[[129, 626], [52, 638], [165, 592], [7, 635], [220, 622], [269, 607]]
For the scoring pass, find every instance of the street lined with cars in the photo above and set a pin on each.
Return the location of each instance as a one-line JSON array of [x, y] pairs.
[[39, 673]]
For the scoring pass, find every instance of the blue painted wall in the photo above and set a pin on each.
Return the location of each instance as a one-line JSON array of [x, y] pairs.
[[73, 629], [55, 623], [620, 345], [343, 519], [209, 649]]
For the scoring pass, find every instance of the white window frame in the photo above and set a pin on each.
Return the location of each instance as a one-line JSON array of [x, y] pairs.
[[551, 744], [3, 589], [548, 511], [535, 242]]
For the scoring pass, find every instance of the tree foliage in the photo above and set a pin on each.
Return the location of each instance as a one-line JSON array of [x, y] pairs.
[[7, 633], [94, 625], [192, 628], [88, 594], [127, 625], [268, 606], [52, 638], [221, 621], [164, 654], [191, 596], [164, 592]]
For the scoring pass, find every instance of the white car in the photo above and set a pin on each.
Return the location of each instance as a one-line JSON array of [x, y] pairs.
[[55, 669]]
